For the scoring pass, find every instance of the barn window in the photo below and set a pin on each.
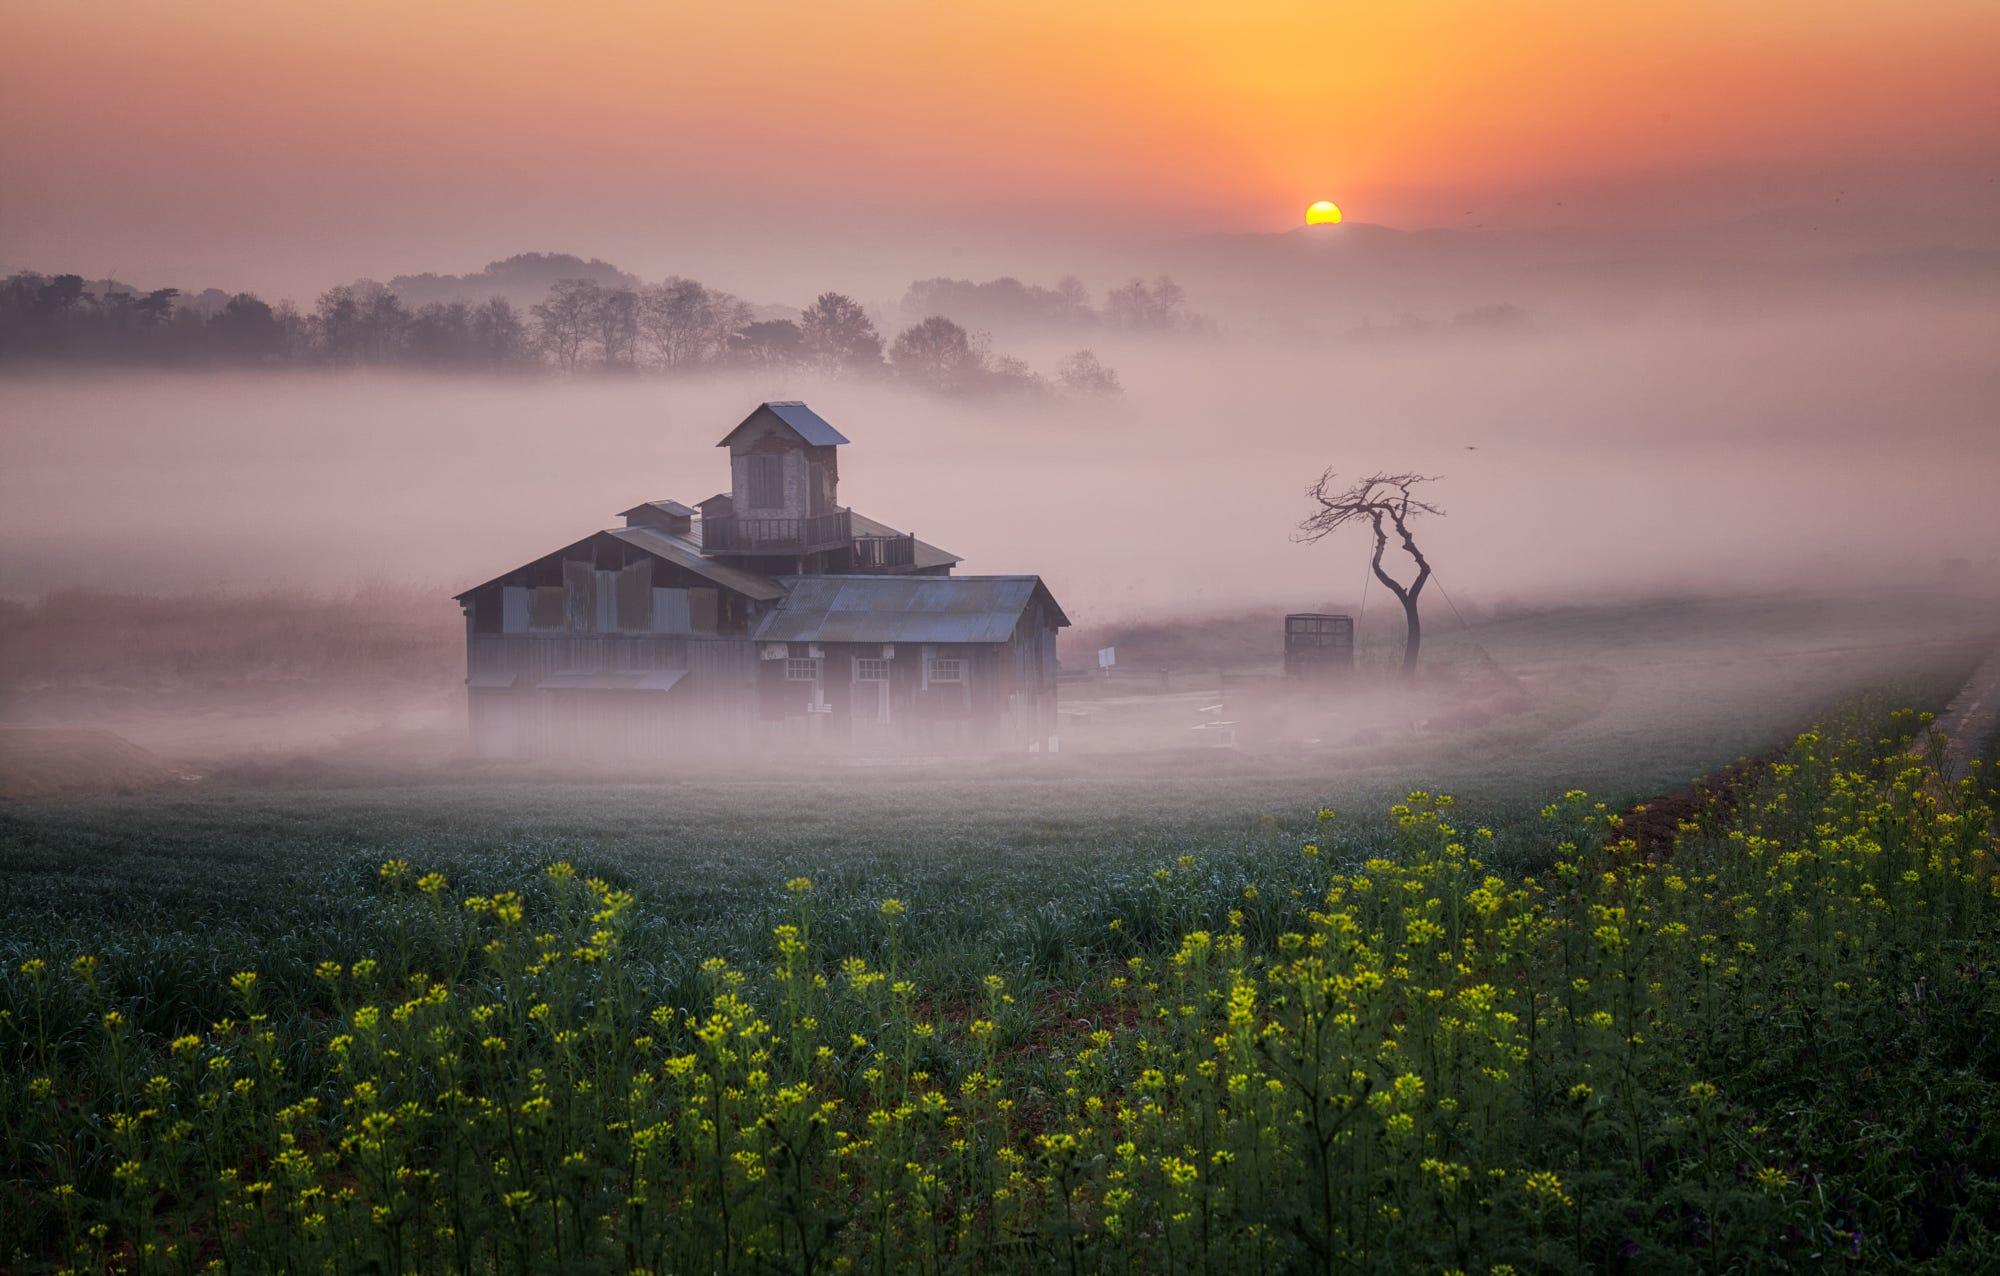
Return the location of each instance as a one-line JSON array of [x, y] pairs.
[[949, 669], [487, 615], [767, 482], [866, 670], [801, 669]]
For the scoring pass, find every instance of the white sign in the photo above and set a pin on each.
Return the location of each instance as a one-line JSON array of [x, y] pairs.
[[1107, 657]]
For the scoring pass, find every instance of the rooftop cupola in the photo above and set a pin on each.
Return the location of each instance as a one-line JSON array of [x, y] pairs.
[[666, 516], [782, 463]]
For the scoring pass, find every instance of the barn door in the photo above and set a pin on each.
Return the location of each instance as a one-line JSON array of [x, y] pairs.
[[868, 702]]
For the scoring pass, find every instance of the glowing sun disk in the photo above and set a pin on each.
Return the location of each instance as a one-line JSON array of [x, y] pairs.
[[1322, 213]]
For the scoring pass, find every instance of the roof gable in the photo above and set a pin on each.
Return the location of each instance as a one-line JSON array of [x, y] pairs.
[[685, 553], [678, 550], [796, 417]]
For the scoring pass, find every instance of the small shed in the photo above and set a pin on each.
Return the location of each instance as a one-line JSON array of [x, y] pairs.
[[1318, 645]]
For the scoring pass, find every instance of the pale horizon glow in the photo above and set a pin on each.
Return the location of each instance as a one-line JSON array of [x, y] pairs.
[[285, 148]]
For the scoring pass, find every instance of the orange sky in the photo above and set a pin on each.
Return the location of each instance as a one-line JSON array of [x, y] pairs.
[[284, 144]]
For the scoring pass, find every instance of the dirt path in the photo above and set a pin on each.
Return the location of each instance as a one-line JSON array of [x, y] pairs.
[[1972, 717]]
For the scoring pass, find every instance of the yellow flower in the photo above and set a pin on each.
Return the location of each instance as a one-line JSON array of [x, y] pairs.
[[1772, 1179]]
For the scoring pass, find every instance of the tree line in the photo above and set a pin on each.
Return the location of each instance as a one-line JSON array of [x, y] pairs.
[[581, 325], [1152, 306]]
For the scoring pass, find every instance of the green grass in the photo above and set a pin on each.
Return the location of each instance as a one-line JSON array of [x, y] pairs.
[[1331, 1047]]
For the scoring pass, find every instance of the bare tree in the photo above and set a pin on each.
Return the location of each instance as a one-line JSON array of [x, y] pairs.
[[771, 343], [1084, 373], [614, 326], [1384, 501], [685, 324], [938, 355], [563, 322], [499, 338], [1144, 307], [838, 335]]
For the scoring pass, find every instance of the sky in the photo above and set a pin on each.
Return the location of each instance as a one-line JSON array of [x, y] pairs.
[[285, 147]]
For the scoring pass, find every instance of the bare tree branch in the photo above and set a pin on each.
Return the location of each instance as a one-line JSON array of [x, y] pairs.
[[1383, 501]]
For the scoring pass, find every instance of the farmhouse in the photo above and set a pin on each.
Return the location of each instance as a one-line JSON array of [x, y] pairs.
[[768, 616]]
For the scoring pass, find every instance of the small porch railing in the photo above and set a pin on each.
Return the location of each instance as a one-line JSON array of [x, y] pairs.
[[884, 553], [754, 534]]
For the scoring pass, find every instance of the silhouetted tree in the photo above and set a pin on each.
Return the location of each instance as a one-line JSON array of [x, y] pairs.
[[614, 325], [62, 295], [440, 335], [1383, 501], [1081, 373], [771, 343], [1006, 374], [337, 325], [838, 336], [246, 330], [1144, 307], [384, 322], [938, 355], [499, 337], [685, 324], [1002, 304], [155, 308], [563, 321]]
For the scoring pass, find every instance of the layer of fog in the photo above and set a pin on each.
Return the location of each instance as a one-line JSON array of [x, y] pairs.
[[1808, 449]]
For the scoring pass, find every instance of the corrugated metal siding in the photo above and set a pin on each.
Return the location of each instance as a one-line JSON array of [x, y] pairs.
[[670, 612], [684, 553], [536, 655], [514, 608], [635, 596]]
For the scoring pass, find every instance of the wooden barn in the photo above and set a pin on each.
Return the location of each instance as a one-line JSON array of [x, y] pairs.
[[768, 618]]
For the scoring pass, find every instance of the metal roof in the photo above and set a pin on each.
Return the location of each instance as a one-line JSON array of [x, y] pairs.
[[609, 680], [675, 508], [682, 550], [927, 554], [895, 609], [796, 416], [687, 553]]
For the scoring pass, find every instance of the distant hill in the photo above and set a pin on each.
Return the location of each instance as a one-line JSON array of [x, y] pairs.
[[526, 278], [1004, 305], [523, 279], [1330, 277]]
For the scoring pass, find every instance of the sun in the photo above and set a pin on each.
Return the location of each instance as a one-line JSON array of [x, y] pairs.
[[1322, 213]]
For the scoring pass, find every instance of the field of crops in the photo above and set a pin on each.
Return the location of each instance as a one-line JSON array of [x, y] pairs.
[[1352, 1045]]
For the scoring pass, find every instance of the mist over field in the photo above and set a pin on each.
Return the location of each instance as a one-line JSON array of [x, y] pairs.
[[1799, 449]]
